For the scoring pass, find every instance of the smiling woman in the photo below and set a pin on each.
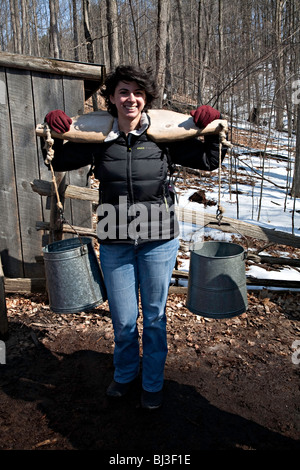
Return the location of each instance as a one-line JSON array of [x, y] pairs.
[[137, 227]]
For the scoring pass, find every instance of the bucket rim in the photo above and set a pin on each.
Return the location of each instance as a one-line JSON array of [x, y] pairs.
[[215, 315], [68, 241], [212, 242]]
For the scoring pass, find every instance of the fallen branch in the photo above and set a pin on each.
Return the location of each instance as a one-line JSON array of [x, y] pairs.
[[237, 226], [186, 215]]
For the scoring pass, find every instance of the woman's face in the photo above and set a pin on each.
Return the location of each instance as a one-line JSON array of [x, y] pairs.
[[129, 100]]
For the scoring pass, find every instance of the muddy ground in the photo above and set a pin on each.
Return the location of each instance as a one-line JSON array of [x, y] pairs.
[[230, 384]]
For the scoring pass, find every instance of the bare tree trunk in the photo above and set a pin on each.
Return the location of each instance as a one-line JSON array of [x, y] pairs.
[[279, 78], [200, 59], [26, 42], [36, 34], [53, 33], [15, 21], [103, 29], [75, 30], [112, 28], [89, 41], [183, 45], [221, 54], [161, 46], [296, 178], [135, 33], [87, 34]]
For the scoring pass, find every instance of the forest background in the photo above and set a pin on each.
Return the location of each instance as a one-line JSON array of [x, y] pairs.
[[240, 57]]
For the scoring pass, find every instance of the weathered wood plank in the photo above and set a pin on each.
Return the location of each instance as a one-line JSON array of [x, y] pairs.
[[74, 192], [25, 285], [53, 66], [66, 228], [47, 95], [81, 210], [10, 241], [26, 165], [29, 285], [55, 226], [3, 309]]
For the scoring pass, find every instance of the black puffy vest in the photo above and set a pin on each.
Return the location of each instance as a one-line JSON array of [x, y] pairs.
[[134, 202]]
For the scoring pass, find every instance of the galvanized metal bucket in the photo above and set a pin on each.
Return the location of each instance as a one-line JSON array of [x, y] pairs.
[[73, 274], [217, 280]]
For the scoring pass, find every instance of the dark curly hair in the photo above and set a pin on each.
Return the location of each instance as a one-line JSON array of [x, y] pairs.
[[129, 73]]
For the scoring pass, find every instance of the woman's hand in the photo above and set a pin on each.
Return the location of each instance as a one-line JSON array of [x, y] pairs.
[[58, 121], [204, 114]]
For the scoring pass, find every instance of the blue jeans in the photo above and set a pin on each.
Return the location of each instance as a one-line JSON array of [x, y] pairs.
[[127, 269]]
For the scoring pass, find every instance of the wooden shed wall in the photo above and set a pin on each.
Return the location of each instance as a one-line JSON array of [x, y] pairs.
[[25, 98]]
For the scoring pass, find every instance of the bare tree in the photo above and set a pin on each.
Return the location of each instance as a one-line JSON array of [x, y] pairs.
[[296, 179], [87, 32], [163, 12], [135, 29], [36, 42], [112, 28], [89, 41], [183, 36], [279, 66], [53, 31], [75, 30], [16, 27]]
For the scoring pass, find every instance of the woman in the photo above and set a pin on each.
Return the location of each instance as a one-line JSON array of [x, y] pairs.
[[137, 226]]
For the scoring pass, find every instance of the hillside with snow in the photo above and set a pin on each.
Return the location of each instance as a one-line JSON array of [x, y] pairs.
[[256, 180]]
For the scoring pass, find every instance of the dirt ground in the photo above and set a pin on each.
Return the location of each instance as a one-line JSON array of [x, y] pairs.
[[230, 384]]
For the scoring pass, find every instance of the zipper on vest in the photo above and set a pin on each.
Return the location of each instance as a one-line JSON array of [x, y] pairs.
[[165, 199], [129, 173], [129, 168]]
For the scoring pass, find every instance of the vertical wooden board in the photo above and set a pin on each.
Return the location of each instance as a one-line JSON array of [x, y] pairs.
[[74, 105], [10, 240], [47, 95], [26, 167], [3, 309]]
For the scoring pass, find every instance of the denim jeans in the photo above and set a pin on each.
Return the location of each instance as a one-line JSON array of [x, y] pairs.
[[128, 269]]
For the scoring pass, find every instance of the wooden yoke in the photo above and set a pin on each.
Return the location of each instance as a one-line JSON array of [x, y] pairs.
[[164, 126]]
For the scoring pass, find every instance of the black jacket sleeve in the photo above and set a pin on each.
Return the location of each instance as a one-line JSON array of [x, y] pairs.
[[194, 153], [70, 155]]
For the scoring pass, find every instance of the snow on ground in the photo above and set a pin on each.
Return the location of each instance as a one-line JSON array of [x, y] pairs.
[[270, 205]]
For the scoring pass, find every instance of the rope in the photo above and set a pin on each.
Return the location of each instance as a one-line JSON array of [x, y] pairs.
[[222, 141], [48, 160]]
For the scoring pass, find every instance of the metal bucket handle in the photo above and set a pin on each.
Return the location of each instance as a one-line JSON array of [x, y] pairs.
[[245, 254], [50, 155], [83, 247]]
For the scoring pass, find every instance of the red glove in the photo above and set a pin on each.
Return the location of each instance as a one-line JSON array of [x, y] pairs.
[[205, 114], [58, 121]]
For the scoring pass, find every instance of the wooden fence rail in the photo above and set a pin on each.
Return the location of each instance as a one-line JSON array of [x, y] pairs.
[[44, 188], [185, 215]]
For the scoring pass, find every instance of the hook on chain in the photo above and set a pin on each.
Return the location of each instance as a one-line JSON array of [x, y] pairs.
[[219, 214]]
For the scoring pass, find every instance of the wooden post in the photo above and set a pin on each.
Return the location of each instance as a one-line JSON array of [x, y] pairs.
[[3, 310], [56, 231]]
